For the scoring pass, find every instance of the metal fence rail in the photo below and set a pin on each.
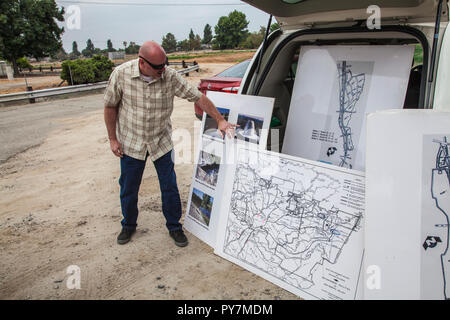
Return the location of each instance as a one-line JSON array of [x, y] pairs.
[[51, 92], [187, 70], [181, 63], [67, 90], [51, 70]]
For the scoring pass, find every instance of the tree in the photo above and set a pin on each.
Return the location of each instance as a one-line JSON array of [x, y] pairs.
[[2, 46], [274, 26], [23, 63], [133, 48], [183, 45], [125, 45], [75, 51], [254, 39], [195, 42], [98, 51], [231, 30], [61, 55], [191, 35], [169, 43], [110, 46], [90, 49], [29, 28], [207, 34]]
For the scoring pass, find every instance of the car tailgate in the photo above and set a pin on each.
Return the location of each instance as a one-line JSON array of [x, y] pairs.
[[293, 14]]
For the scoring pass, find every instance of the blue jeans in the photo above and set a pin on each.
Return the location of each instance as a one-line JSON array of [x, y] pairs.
[[130, 181]]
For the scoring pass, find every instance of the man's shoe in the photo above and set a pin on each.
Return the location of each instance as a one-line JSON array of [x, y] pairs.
[[125, 236], [179, 238]]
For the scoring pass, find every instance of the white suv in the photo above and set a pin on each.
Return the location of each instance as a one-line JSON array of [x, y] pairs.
[[352, 22]]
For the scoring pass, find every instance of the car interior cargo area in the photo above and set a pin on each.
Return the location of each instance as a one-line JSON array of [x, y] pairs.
[[278, 72]]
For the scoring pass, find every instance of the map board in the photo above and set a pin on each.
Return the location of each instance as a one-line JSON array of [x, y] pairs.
[[215, 154], [295, 222], [335, 87], [408, 204]]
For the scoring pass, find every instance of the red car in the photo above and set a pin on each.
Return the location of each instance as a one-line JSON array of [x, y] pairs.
[[226, 81]]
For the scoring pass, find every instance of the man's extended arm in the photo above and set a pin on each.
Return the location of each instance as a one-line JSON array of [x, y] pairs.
[[110, 114], [206, 105]]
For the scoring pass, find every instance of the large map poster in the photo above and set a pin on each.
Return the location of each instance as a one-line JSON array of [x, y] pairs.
[[214, 157], [435, 265], [335, 87], [296, 223], [408, 205]]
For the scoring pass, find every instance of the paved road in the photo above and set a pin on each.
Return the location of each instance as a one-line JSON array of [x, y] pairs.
[[25, 126]]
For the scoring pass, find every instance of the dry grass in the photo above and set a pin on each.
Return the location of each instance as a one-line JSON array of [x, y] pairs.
[[18, 84]]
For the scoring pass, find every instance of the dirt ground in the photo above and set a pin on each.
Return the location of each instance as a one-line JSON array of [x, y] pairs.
[[19, 84], [59, 207], [226, 58]]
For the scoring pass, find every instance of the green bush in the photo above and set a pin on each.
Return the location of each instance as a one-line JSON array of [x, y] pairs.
[[418, 55], [23, 63], [79, 70], [83, 71], [102, 67]]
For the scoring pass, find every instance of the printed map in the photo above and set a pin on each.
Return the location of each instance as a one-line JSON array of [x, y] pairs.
[[293, 220]]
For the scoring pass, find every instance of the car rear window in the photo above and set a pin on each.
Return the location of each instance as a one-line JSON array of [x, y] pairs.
[[236, 71]]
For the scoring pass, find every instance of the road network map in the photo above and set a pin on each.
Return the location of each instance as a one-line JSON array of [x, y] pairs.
[[350, 90], [297, 223], [440, 192]]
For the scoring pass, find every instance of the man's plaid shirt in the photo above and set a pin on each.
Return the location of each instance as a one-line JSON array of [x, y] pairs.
[[143, 122]]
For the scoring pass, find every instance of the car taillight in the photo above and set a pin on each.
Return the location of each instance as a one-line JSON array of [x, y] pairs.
[[231, 90]]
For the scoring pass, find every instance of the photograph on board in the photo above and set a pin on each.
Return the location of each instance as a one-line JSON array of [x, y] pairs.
[[211, 124], [249, 128], [208, 168], [201, 206]]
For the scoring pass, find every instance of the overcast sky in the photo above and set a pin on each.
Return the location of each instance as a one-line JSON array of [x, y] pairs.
[[128, 20]]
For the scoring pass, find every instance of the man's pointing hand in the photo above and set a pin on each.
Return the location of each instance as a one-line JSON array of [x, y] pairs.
[[228, 128]]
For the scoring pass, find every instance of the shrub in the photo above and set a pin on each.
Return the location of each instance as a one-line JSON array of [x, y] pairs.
[[80, 71], [102, 68], [83, 71], [23, 63]]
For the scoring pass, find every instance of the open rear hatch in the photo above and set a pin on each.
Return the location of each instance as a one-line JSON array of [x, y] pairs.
[[293, 14]]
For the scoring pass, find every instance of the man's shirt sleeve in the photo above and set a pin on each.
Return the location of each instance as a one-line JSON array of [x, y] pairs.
[[113, 91], [184, 89]]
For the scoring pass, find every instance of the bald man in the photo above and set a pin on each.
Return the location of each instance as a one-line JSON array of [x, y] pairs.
[[138, 104]]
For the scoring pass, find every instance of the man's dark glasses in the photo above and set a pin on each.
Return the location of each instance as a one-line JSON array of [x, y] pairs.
[[156, 66]]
